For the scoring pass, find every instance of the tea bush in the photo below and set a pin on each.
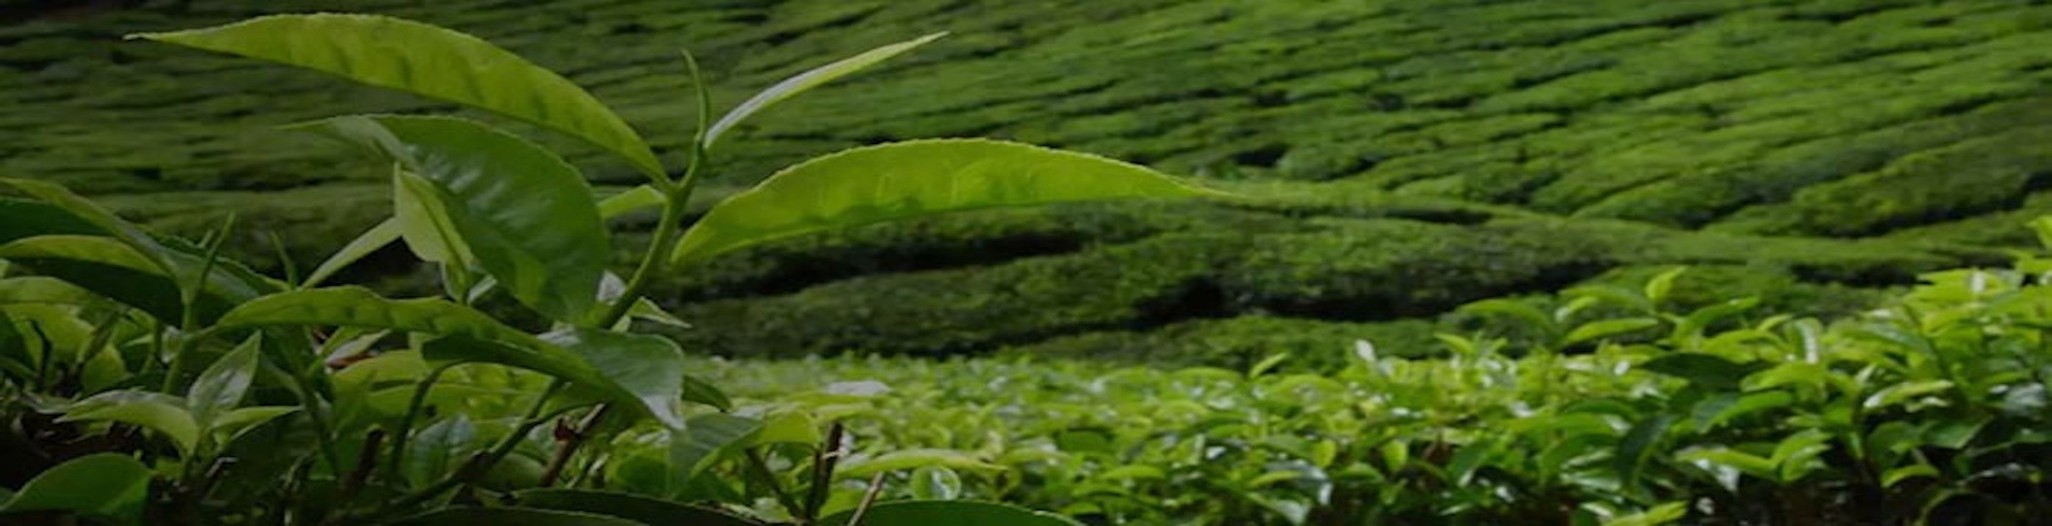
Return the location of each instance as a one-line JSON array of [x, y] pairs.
[[1331, 270], [145, 378], [1927, 410]]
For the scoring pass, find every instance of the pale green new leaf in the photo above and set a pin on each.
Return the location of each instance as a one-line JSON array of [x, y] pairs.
[[221, 387], [44, 290], [527, 217], [231, 425], [359, 307], [545, 358], [638, 198], [913, 458], [370, 241], [423, 219], [808, 80], [1658, 287], [1746, 463], [429, 61], [107, 268], [158, 412], [91, 213], [1904, 392], [104, 484], [650, 367], [911, 179], [1607, 328], [1662, 514]]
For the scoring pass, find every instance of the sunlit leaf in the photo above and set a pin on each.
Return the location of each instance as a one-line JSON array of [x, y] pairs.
[[162, 413], [1607, 328], [231, 425], [359, 307], [528, 218], [637, 198], [858, 467], [44, 290], [369, 241], [1658, 287], [808, 80], [911, 179], [221, 386], [429, 61], [650, 367]]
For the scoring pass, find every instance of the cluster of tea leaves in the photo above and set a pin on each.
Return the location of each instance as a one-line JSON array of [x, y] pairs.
[[1930, 411], [1404, 157]]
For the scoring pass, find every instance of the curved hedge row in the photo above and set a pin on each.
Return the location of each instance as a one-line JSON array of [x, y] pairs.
[[1171, 287]]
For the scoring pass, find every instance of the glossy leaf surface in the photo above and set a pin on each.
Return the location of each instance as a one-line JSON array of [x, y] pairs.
[[650, 367], [429, 61], [808, 80], [528, 218], [911, 179], [164, 414]]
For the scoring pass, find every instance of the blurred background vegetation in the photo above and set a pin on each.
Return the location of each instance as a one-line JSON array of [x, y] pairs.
[[1404, 157]]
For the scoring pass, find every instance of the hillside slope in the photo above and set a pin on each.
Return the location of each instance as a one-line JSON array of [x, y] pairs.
[[1406, 156]]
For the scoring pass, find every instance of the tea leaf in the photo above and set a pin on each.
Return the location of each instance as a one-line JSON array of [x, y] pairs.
[[911, 179], [1904, 392], [421, 211], [359, 307], [1607, 328], [44, 290], [428, 61], [369, 241], [158, 412], [808, 80], [23, 218], [650, 367], [231, 425], [549, 359], [88, 213], [1705, 370], [912, 458], [638, 198], [220, 388], [104, 484], [527, 217], [702, 441], [106, 267]]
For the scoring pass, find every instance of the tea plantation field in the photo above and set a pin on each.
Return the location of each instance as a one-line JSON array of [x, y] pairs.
[[1400, 158]]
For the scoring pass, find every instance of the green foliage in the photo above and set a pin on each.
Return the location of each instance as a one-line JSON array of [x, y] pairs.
[[429, 61], [339, 405], [909, 179], [105, 485], [1926, 411], [1341, 272]]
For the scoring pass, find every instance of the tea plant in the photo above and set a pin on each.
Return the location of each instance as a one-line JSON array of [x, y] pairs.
[[150, 379], [1930, 411]]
